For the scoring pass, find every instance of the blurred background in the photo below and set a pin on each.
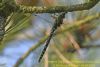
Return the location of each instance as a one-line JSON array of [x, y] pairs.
[[74, 47]]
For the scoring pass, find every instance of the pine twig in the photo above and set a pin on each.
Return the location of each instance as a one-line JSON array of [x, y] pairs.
[[74, 43], [46, 59], [59, 54]]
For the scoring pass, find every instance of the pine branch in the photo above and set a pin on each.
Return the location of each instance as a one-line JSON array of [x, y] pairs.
[[58, 9], [10, 6]]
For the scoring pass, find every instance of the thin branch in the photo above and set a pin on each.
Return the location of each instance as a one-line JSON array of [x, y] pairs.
[[70, 27], [46, 59], [21, 59], [59, 54], [77, 24], [91, 46], [74, 43]]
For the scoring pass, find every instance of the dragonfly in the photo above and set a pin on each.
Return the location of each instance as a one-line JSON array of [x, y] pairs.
[[58, 22]]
